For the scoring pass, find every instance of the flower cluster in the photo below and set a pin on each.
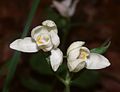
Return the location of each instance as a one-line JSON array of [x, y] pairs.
[[45, 37]]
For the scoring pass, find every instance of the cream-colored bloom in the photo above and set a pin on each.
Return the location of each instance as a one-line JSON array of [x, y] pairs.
[[66, 8], [43, 37], [79, 57]]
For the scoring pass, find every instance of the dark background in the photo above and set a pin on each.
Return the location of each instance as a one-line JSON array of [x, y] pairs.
[[99, 22]]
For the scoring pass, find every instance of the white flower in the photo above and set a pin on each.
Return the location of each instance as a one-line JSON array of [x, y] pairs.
[[80, 57], [66, 8], [43, 37], [56, 58]]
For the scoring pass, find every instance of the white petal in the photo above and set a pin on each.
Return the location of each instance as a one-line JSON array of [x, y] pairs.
[[46, 49], [38, 31], [66, 3], [63, 10], [49, 23], [55, 39], [75, 45], [97, 61], [51, 26], [72, 8], [24, 45], [56, 58], [73, 54], [76, 65]]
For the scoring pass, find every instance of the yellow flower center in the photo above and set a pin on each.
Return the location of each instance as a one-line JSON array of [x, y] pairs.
[[83, 55], [42, 39]]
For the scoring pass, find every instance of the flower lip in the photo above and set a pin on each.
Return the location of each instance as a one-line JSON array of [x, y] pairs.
[[83, 55], [42, 39]]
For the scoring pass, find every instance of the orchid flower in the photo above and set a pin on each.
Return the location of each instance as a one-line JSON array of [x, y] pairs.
[[80, 57], [44, 37], [66, 8]]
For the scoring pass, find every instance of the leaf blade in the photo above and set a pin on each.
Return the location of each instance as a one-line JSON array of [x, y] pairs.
[[16, 56]]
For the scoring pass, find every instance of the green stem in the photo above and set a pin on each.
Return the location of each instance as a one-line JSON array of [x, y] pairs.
[[11, 70], [16, 56], [67, 88], [65, 81], [60, 79], [65, 33], [64, 56]]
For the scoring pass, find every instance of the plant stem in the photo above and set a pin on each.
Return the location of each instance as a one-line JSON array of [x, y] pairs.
[[65, 34], [67, 88], [64, 56], [65, 81]]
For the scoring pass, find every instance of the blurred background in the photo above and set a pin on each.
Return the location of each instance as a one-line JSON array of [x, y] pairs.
[[94, 21]]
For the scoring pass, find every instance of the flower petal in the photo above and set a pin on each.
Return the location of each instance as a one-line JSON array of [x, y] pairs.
[[73, 7], [46, 49], [75, 45], [97, 61], [56, 58], [73, 54], [51, 26], [66, 3], [49, 23], [55, 39], [24, 45], [76, 65], [37, 31], [63, 10]]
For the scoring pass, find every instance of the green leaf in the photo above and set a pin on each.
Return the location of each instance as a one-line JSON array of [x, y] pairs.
[[86, 79], [11, 70], [39, 63], [16, 56], [34, 85], [30, 18], [102, 49]]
